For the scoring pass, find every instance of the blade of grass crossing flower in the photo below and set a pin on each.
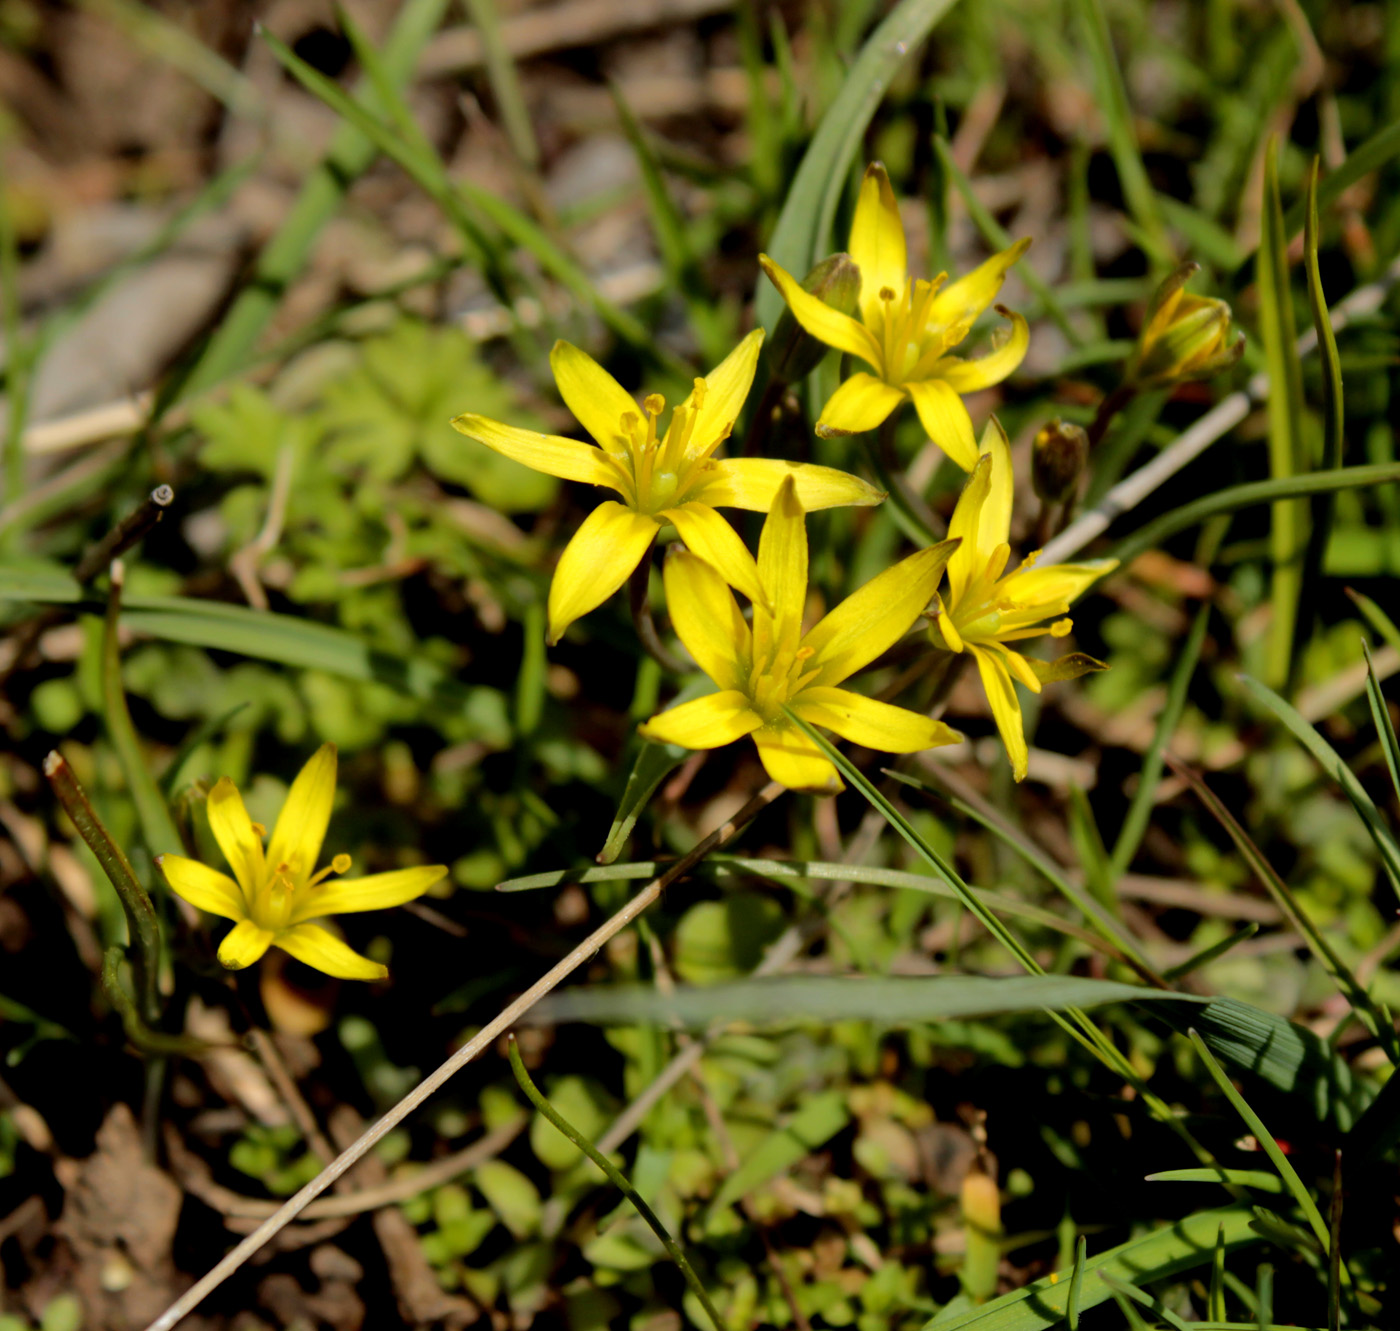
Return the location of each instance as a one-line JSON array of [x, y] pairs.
[[1332, 764], [1288, 531], [803, 231], [1236, 497], [1324, 506], [998, 238], [617, 1178], [283, 258], [1140, 810], [1380, 714], [1287, 1173], [1076, 1284], [1122, 138], [505, 82]]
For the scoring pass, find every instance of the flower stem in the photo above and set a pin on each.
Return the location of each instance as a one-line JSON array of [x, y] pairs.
[[913, 517], [1108, 409], [638, 596], [762, 419]]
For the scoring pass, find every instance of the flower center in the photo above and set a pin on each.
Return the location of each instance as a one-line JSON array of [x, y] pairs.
[[665, 469], [272, 908]]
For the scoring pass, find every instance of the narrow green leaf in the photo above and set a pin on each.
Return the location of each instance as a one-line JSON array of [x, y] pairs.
[[803, 231], [815, 1124], [1244, 1178], [1088, 845], [1215, 1298], [1376, 618], [1380, 714], [1130, 1291], [654, 763], [1361, 161], [1206, 955], [505, 82], [1076, 1284]]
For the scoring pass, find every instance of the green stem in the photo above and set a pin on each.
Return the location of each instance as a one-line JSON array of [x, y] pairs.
[[638, 596], [618, 1179], [1108, 409], [911, 515]]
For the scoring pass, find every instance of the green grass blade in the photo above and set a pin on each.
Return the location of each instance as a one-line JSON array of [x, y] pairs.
[[1076, 1284], [1287, 458], [1215, 1298], [505, 82], [803, 231], [1236, 497], [1088, 845], [1130, 1291], [1206, 955], [1376, 618], [654, 763], [1140, 810], [1257, 1179], [1361, 161], [1380, 714]]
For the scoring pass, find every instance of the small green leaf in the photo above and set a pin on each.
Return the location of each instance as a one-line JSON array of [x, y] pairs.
[[816, 1123]]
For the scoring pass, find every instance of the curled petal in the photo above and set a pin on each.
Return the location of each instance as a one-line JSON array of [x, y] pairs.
[[321, 949], [710, 536], [707, 619], [1070, 666], [726, 388], [942, 414], [752, 483], [873, 724], [874, 618], [550, 453], [245, 944], [818, 318], [600, 558], [376, 891], [233, 830], [877, 243], [962, 301], [203, 887], [1006, 706], [968, 376], [301, 826], [861, 403], [790, 757], [704, 723], [596, 399]]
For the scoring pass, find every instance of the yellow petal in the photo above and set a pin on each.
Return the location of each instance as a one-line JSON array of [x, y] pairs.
[[550, 453], [600, 558], [704, 723], [818, 318], [862, 403], [317, 947], [877, 243], [726, 387], [203, 887], [301, 826], [752, 483], [782, 560], [707, 619], [790, 757], [965, 563], [376, 891], [994, 529], [233, 830], [708, 535], [1055, 584], [873, 619], [944, 417], [596, 399], [1006, 706], [873, 724], [244, 945], [962, 301], [968, 376]]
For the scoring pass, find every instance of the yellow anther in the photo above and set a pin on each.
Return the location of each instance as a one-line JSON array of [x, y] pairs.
[[654, 404], [259, 829], [697, 397], [886, 293], [340, 864], [1061, 627]]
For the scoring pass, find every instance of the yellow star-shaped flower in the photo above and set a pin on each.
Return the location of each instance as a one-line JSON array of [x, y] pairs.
[[906, 329], [760, 669], [984, 611], [275, 894], [673, 479]]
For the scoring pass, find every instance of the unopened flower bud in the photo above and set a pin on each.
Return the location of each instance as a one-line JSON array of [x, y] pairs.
[[1058, 456], [981, 1213], [793, 353], [1184, 338]]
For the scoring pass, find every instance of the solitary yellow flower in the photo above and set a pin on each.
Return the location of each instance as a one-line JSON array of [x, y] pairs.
[[759, 669], [274, 894], [674, 479], [906, 329], [984, 611]]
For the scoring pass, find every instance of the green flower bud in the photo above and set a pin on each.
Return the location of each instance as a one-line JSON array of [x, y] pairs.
[[793, 353], [1184, 337], [1058, 455]]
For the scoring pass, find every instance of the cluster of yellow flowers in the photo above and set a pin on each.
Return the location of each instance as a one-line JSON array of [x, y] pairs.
[[906, 332]]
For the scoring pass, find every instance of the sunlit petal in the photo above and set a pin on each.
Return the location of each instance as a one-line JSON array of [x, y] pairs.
[[964, 566], [599, 559], [752, 483], [782, 560], [878, 615], [877, 243], [244, 945], [709, 535], [596, 399], [550, 453], [301, 826], [962, 301], [726, 388], [969, 376], [707, 619], [994, 528], [861, 403], [942, 414], [704, 723], [233, 830], [203, 887], [321, 949], [818, 318], [376, 891], [1006, 706], [1055, 584], [790, 757], [876, 725]]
